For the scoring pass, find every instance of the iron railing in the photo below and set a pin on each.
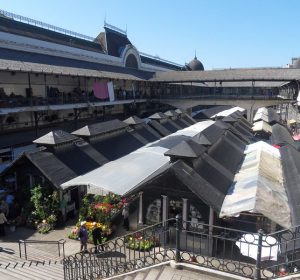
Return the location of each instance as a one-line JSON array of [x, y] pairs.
[[251, 255], [60, 246]]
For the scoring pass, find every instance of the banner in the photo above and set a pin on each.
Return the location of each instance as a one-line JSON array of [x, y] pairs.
[[100, 90]]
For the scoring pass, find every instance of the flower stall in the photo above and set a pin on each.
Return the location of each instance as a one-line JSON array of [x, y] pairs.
[[99, 209]]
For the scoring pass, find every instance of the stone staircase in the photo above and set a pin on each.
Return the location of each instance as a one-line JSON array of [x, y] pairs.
[[41, 264], [166, 272]]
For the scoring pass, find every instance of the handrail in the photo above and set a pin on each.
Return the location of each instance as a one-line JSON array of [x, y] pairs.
[[30, 241]]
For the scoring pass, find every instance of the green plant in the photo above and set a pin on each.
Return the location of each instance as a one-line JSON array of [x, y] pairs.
[[44, 207], [44, 228]]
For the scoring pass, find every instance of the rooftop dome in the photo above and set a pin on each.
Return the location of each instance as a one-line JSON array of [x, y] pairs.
[[195, 65]]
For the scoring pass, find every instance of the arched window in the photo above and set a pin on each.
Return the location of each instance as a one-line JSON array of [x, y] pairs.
[[131, 62]]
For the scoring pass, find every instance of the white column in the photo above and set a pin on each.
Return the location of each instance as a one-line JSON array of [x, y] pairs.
[[165, 208], [184, 212], [140, 222], [210, 223]]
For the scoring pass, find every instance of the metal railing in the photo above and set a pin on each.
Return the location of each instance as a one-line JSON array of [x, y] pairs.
[[60, 245], [251, 255], [45, 25]]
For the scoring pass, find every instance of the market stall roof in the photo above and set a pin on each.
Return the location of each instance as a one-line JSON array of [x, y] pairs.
[[228, 112], [51, 167], [134, 120], [281, 136], [55, 137], [159, 128], [171, 113], [258, 186], [100, 128], [290, 159], [131, 169], [262, 126], [157, 116], [186, 149], [118, 144], [268, 115], [208, 113]]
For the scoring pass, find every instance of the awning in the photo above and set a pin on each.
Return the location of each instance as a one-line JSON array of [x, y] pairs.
[[228, 112], [258, 186], [121, 175], [262, 126]]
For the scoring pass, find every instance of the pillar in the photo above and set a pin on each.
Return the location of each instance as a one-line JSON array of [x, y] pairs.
[[140, 222], [165, 215], [184, 212], [210, 230], [249, 114], [165, 208]]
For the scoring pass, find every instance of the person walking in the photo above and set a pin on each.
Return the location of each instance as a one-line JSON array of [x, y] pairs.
[[3, 220], [83, 237], [97, 237], [125, 214]]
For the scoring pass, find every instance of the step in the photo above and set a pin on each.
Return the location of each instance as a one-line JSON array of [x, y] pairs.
[[140, 276], [127, 277], [166, 274], [153, 273], [34, 271]]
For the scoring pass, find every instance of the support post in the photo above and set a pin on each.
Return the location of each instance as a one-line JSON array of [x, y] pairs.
[[210, 230], [165, 208], [258, 258], [165, 212], [140, 222], [184, 213], [178, 228]]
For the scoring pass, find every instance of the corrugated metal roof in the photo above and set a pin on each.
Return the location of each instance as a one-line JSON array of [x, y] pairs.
[[230, 75]]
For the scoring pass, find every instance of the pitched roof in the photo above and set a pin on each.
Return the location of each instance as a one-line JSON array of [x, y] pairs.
[[201, 139], [186, 149], [56, 137], [157, 116], [171, 113], [100, 128], [51, 167], [281, 136], [134, 120]]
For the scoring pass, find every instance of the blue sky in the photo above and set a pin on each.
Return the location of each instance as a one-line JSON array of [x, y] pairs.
[[225, 33]]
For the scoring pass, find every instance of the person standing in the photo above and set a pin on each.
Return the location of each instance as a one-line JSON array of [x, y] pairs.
[[125, 214], [97, 237], [83, 237], [3, 220]]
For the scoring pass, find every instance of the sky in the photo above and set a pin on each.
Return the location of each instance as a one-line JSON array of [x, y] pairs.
[[224, 33]]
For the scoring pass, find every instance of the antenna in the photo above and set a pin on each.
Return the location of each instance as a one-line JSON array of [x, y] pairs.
[[195, 54], [105, 19], [126, 29]]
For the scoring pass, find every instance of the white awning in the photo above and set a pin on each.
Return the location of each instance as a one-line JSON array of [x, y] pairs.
[[122, 175], [262, 126], [228, 112], [258, 186]]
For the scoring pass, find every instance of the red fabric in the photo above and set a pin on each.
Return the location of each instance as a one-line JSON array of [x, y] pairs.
[[100, 90], [276, 146]]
